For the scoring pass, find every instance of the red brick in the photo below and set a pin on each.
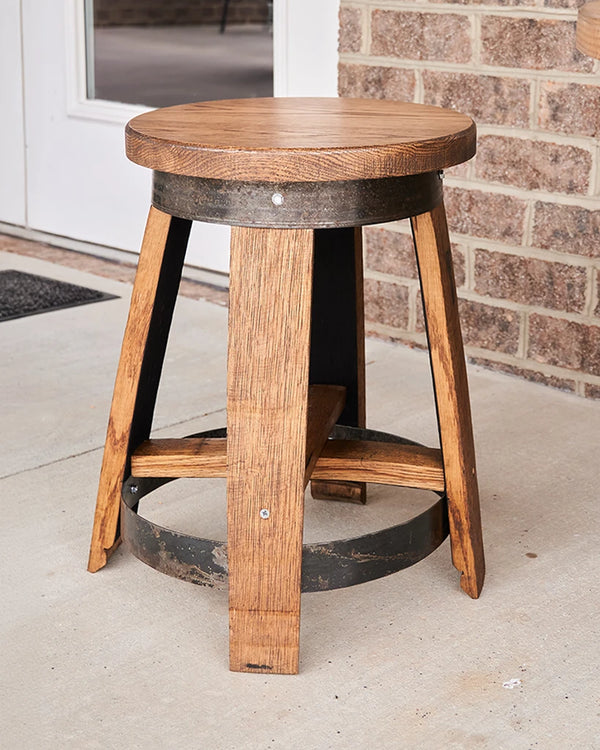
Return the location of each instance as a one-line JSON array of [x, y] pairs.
[[484, 326], [592, 391], [421, 36], [530, 281], [566, 229], [420, 316], [376, 82], [597, 310], [390, 252], [564, 343], [386, 303], [394, 253], [531, 43], [461, 171], [534, 376], [479, 214], [488, 327], [571, 108], [350, 29], [487, 99], [533, 165], [458, 259]]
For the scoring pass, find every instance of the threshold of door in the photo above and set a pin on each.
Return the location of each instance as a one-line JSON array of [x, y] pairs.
[[197, 283]]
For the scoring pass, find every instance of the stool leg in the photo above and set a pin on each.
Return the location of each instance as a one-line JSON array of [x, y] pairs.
[[267, 391], [451, 394], [142, 353], [337, 347]]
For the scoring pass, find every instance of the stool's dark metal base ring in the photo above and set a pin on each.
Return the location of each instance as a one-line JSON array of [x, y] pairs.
[[325, 566]]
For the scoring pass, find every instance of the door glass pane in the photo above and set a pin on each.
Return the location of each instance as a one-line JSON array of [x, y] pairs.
[[158, 53]]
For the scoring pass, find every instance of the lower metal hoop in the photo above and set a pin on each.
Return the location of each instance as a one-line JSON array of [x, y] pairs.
[[325, 566], [296, 205]]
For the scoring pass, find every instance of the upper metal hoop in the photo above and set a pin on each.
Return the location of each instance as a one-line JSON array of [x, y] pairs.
[[291, 205]]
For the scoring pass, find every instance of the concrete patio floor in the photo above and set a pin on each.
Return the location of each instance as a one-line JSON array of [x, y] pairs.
[[129, 658]]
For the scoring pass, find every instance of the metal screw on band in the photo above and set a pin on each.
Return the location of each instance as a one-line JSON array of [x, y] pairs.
[[277, 199], [264, 513]]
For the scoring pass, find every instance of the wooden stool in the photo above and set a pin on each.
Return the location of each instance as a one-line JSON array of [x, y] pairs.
[[296, 178]]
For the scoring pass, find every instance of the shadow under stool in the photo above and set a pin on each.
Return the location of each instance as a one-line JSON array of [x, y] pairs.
[[296, 179]]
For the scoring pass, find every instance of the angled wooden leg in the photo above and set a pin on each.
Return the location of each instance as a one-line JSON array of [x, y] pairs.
[[152, 302], [452, 395], [337, 350], [267, 390]]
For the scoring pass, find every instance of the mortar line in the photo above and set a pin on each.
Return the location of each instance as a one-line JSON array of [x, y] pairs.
[[528, 224], [497, 188], [529, 11], [411, 323], [592, 291], [366, 43], [523, 345], [534, 98], [469, 267], [595, 184], [476, 38]]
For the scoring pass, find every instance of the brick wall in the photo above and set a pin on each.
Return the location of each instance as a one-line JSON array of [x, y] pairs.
[[162, 12], [525, 213]]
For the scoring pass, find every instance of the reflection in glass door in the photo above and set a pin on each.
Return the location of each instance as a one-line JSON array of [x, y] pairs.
[[157, 54]]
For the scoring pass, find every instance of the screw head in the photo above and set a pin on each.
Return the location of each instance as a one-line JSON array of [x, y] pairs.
[[277, 199], [264, 513], [133, 489]]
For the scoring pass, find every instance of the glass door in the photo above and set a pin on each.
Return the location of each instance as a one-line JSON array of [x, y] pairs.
[[86, 72]]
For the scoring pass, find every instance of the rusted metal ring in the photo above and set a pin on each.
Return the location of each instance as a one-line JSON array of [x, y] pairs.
[[325, 566], [291, 205]]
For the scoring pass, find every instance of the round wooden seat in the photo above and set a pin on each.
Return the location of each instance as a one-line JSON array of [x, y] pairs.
[[300, 139]]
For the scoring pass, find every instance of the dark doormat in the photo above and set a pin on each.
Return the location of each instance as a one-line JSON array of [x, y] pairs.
[[24, 294]]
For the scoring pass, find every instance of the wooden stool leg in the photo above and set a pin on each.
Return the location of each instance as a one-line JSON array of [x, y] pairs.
[[337, 349], [152, 302], [452, 395], [267, 390]]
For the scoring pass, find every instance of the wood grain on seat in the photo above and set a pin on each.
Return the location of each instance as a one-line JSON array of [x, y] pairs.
[[300, 139]]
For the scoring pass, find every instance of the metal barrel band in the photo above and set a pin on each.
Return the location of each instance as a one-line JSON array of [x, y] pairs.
[[296, 205], [325, 566]]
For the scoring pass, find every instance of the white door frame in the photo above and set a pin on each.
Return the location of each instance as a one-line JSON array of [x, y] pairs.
[[305, 54], [12, 143], [75, 181]]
